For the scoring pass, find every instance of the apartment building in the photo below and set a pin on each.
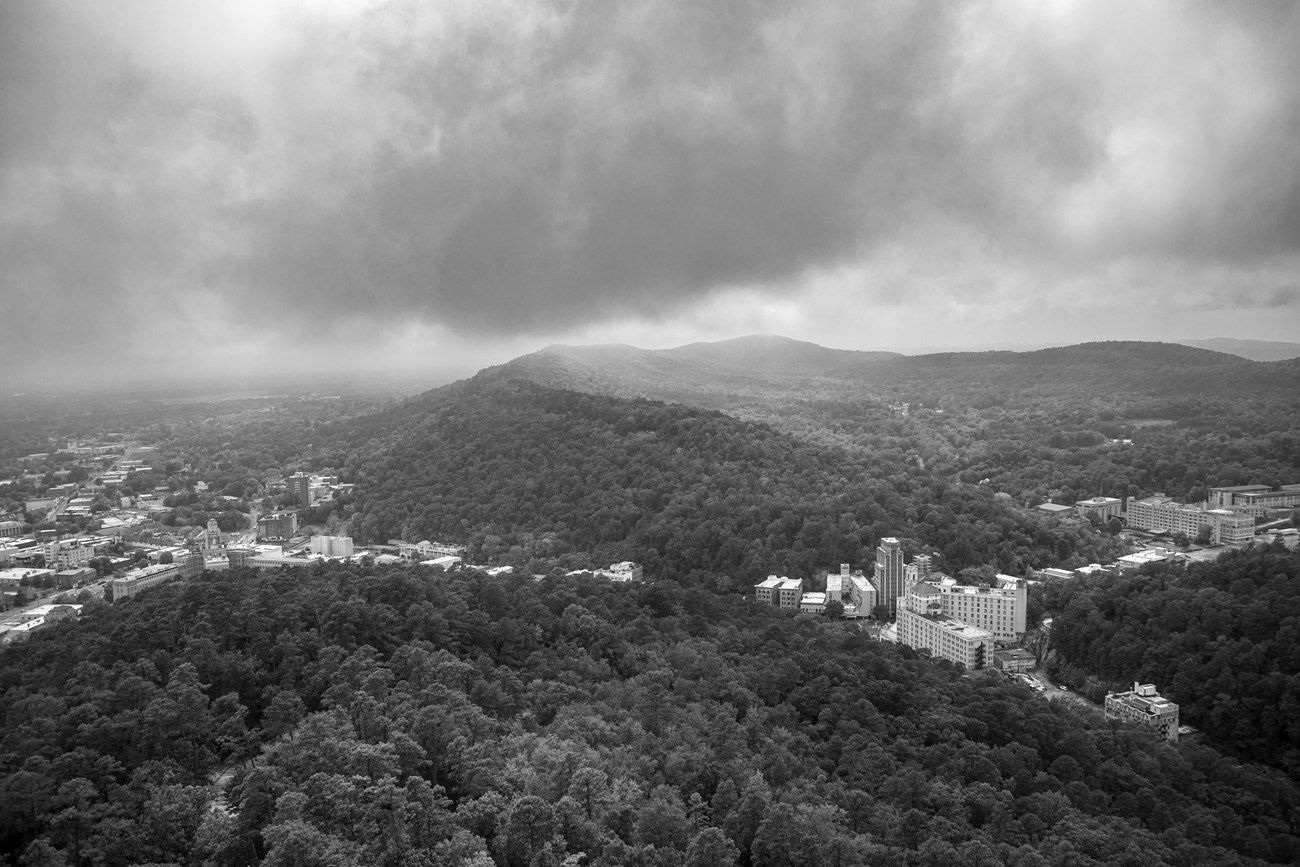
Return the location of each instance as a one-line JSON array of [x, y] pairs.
[[998, 610], [1145, 706]]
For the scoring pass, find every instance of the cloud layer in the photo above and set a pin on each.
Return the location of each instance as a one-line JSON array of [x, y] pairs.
[[294, 168]]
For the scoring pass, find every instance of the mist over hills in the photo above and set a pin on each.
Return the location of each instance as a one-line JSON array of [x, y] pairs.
[[762, 372]]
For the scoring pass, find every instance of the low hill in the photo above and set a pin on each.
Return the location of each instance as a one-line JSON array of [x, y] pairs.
[[1255, 350]]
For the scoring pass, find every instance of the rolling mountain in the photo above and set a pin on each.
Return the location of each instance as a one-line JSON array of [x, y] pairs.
[[769, 374], [1255, 350]]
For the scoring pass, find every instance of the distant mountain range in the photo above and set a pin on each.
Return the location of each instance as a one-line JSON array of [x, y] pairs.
[[1255, 350], [763, 372]]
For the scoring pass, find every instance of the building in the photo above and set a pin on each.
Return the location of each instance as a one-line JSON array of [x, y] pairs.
[[240, 558], [922, 624], [862, 594], [67, 555], [1100, 508], [138, 580], [11, 529], [625, 571], [1256, 498], [1014, 660], [212, 536], [1056, 510], [277, 526], [812, 603], [997, 610], [1145, 706], [300, 487], [779, 592], [1053, 574], [890, 574], [332, 546], [426, 550], [1135, 561], [1160, 514]]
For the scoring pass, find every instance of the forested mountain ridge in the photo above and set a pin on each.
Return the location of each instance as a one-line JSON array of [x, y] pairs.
[[400, 718], [1036, 424], [523, 472]]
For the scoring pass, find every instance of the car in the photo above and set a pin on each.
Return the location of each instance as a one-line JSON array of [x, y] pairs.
[[1064, 688]]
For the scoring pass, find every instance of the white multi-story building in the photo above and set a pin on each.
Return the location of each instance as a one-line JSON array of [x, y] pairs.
[[999, 610], [1101, 508], [332, 546], [67, 555], [1160, 514], [921, 623]]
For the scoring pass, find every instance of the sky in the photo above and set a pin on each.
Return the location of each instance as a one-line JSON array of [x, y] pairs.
[[231, 188]]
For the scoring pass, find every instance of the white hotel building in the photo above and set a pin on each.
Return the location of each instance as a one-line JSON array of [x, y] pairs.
[[922, 624]]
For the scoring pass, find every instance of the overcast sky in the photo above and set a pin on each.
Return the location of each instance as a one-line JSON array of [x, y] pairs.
[[357, 183]]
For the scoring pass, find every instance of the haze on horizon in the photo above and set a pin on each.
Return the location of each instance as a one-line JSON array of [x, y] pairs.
[[364, 185]]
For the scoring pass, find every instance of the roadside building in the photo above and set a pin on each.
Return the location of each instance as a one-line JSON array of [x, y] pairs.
[[277, 526], [1014, 660], [1145, 706]]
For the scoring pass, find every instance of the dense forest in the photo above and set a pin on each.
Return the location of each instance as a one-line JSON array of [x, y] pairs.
[[1222, 639], [1038, 425], [526, 474], [380, 717]]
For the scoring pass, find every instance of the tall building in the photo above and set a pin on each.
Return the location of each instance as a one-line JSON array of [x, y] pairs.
[[922, 624], [212, 536], [300, 487], [1145, 706], [890, 574], [66, 555]]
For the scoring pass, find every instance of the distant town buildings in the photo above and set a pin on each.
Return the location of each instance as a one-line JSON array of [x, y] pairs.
[[1254, 500], [1145, 706], [1160, 514]]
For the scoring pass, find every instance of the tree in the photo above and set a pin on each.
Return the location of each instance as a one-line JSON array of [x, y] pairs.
[[834, 610], [166, 558], [711, 848], [1204, 535]]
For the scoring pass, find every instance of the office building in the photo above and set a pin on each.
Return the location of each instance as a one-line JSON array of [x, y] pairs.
[[1145, 706], [300, 488], [890, 575], [779, 592], [921, 624]]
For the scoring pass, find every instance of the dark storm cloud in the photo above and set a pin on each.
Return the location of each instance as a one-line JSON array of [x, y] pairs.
[[524, 166]]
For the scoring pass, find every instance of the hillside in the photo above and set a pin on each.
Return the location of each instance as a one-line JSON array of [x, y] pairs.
[[1255, 350], [524, 473]]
